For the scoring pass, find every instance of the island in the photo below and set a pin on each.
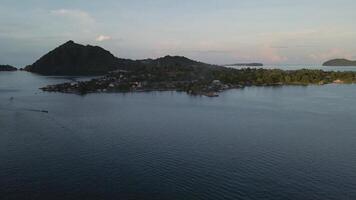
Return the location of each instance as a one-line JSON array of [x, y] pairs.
[[169, 73], [209, 84], [340, 62], [245, 65], [7, 68]]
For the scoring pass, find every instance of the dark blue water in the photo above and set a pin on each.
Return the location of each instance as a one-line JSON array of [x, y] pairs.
[[273, 143]]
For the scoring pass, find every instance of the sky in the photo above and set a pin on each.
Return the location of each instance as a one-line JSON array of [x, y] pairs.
[[213, 31]]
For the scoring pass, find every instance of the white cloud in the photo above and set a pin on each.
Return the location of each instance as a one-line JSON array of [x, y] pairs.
[[101, 38], [78, 15]]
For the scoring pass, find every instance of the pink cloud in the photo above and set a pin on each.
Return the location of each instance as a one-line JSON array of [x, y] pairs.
[[102, 38], [264, 54]]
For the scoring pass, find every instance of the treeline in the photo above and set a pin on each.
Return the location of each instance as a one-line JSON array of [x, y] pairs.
[[7, 68], [250, 76]]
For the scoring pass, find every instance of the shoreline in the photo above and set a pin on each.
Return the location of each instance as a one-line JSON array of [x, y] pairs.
[[209, 84], [191, 93]]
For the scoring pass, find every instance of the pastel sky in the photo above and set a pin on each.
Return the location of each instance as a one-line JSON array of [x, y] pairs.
[[213, 31]]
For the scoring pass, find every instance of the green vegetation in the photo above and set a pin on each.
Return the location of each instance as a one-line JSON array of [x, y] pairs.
[[280, 77], [200, 80], [340, 62]]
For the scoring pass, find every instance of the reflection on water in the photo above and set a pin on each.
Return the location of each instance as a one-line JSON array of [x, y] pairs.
[[288, 142]]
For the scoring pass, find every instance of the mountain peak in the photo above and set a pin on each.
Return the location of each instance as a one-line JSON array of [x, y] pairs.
[[71, 58], [70, 42]]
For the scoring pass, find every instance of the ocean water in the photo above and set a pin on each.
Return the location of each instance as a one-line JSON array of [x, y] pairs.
[[273, 143], [303, 66]]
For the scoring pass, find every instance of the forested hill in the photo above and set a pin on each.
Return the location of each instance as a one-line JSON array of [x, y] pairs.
[[7, 68], [76, 59], [340, 62]]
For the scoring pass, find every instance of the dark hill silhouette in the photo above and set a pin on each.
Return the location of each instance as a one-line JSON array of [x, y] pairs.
[[176, 63], [76, 59], [7, 68]]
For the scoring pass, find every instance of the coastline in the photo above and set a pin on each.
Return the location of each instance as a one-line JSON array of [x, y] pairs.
[[123, 82]]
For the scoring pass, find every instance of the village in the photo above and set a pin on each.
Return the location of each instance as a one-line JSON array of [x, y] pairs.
[[126, 81]]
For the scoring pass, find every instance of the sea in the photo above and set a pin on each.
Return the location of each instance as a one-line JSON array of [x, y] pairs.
[[270, 143]]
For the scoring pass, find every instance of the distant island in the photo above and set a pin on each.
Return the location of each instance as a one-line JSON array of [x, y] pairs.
[[7, 68], [245, 65], [166, 73], [340, 62]]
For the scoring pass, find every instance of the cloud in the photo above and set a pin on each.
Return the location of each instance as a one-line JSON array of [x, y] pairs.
[[102, 38], [271, 55], [279, 47], [78, 15], [262, 53], [290, 34]]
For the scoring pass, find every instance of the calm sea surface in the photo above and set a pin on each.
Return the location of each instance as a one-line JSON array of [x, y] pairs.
[[296, 67], [271, 143]]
